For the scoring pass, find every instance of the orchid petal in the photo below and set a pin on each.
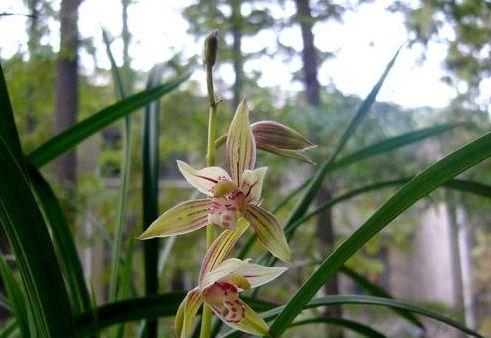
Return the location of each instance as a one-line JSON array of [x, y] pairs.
[[296, 154], [269, 231], [254, 274], [220, 248], [220, 271], [258, 275], [205, 179], [252, 183], [243, 318], [183, 323], [241, 147], [275, 134], [181, 219]]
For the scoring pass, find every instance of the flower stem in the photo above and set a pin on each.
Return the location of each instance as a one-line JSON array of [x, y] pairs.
[[210, 159]]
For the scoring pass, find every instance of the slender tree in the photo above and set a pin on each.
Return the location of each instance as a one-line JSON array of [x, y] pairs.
[[66, 106]]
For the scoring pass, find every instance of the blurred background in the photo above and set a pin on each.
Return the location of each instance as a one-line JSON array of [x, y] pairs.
[[306, 63]]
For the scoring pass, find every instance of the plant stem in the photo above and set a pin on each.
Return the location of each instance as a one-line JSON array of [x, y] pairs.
[[210, 161]]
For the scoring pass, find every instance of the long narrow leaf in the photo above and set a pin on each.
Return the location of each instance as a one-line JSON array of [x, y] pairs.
[[82, 130], [124, 177], [63, 241], [392, 143], [16, 296], [318, 178], [370, 300], [9, 329], [420, 186], [28, 235], [345, 323], [375, 290], [150, 307], [150, 190]]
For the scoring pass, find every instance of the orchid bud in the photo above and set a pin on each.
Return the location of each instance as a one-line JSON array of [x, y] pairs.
[[210, 49], [277, 135]]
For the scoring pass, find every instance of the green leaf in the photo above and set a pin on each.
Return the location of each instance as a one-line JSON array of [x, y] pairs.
[[150, 307], [16, 296], [420, 186], [63, 241], [375, 290], [10, 329], [392, 143], [28, 235], [367, 300], [124, 177], [150, 189], [82, 130], [316, 182], [467, 186], [345, 323]]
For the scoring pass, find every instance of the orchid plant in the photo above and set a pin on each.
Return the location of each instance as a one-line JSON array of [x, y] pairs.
[[232, 202]]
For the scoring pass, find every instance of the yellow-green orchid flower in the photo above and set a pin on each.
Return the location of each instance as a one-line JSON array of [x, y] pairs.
[[220, 288], [233, 195]]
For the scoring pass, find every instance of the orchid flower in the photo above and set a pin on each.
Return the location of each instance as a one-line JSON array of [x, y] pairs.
[[219, 289], [233, 195]]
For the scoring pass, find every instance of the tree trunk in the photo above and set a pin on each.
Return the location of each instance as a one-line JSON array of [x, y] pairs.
[[65, 167], [237, 52], [32, 46], [325, 230], [309, 54]]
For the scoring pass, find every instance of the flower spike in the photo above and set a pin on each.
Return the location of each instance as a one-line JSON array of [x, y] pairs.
[[233, 196]]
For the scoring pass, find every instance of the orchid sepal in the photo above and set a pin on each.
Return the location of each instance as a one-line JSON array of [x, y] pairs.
[[275, 134], [269, 232], [183, 218], [240, 146]]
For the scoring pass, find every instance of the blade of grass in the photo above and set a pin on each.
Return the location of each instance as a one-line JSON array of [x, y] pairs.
[[386, 145], [28, 235], [150, 191], [68, 139], [369, 300], [316, 181], [375, 290], [461, 185], [392, 143], [10, 329], [420, 186], [344, 323], [124, 176], [149, 307], [16, 296], [62, 239]]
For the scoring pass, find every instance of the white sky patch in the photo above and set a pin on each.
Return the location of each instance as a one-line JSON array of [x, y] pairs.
[[363, 44]]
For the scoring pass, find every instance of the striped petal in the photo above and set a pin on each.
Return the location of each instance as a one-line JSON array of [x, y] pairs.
[[183, 323], [277, 135], [238, 315], [181, 219], [257, 275], [252, 183], [269, 231], [220, 248], [205, 179], [232, 268], [241, 147]]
